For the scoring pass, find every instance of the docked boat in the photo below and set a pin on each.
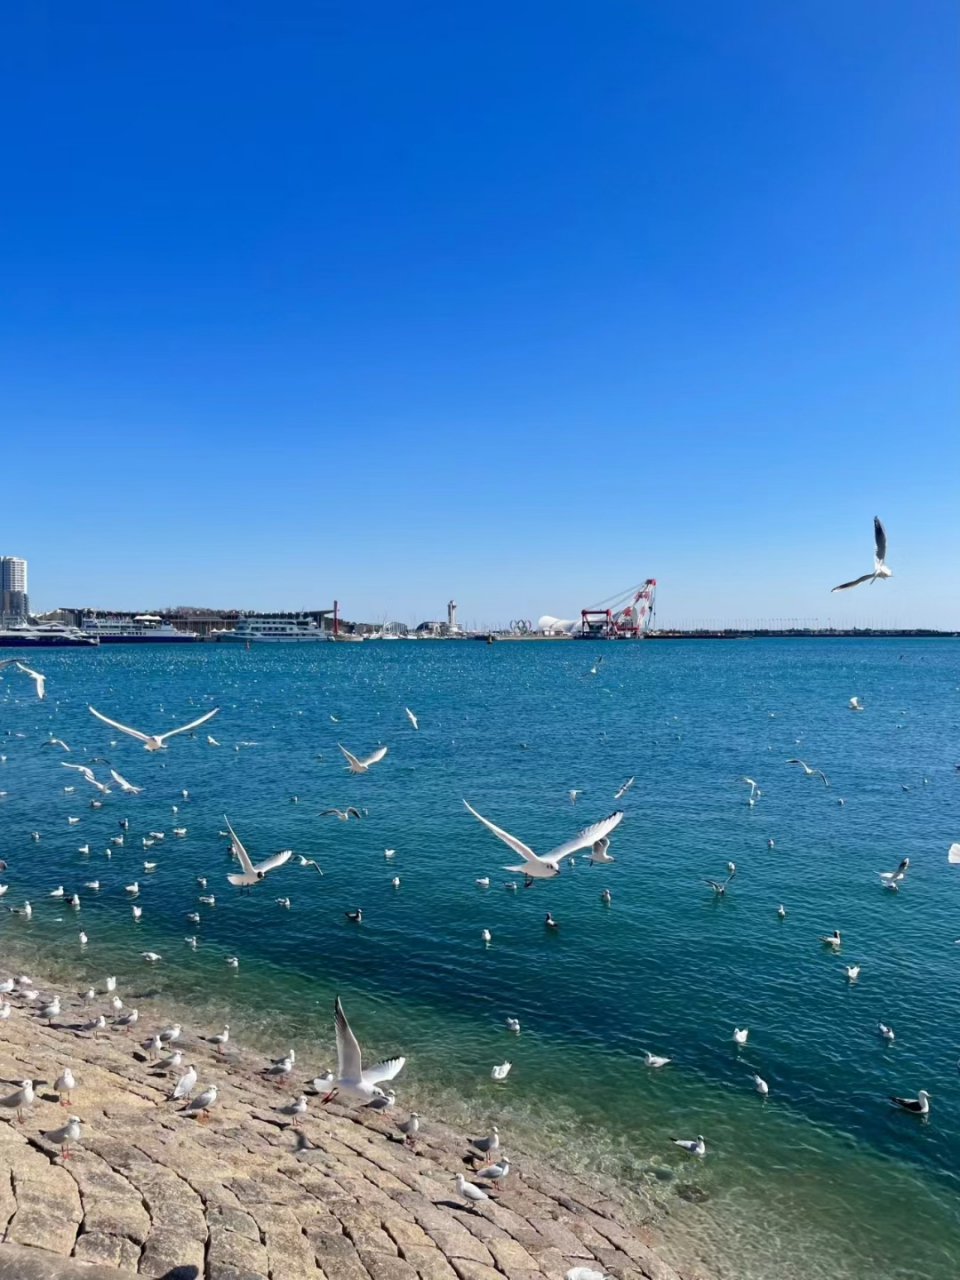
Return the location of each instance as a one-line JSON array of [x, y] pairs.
[[273, 630], [48, 635], [146, 628]]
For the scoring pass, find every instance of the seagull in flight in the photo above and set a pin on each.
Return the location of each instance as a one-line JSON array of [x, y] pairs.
[[352, 1081], [126, 787], [39, 680], [253, 873], [543, 868], [343, 814], [754, 789], [361, 766], [855, 704], [625, 788], [411, 717], [56, 742], [154, 741], [880, 570], [811, 773], [307, 862]]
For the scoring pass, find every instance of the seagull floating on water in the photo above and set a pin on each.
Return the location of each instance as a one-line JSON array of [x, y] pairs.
[[696, 1146], [918, 1106], [653, 1060]]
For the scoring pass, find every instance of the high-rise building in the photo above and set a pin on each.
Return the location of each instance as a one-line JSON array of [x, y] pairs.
[[14, 602]]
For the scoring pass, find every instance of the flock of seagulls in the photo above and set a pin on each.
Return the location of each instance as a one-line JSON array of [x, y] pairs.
[[352, 1083]]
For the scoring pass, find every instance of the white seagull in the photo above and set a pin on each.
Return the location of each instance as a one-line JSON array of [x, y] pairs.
[[651, 1060], [811, 773], [467, 1191], [892, 877], [543, 868], [626, 787], [918, 1106], [501, 1072], [361, 766], [352, 1081], [39, 680], [411, 717], [126, 787], [696, 1146], [253, 873], [63, 1137], [761, 1086], [855, 704], [153, 741], [880, 570], [185, 1085]]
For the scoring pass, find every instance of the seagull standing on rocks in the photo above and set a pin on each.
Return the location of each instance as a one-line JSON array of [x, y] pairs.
[[410, 1128], [185, 1085], [64, 1085], [20, 1101], [62, 1138], [201, 1104], [467, 1191]]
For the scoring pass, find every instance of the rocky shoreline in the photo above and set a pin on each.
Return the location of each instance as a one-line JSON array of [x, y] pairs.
[[242, 1195]]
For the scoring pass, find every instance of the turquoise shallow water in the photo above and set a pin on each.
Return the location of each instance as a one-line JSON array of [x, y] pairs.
[[822, 1179]]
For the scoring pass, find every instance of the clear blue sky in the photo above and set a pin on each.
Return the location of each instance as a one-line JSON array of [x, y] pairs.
[[515, 302]]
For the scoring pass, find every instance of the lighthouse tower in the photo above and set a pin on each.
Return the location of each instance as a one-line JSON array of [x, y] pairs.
[[452, 617]]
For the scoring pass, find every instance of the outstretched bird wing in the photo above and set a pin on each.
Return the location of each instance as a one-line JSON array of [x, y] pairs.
[[880, 539], [585, 838], [239, 850], [845, 586], [372, 759], [383, 1071], [277, 860], [184, 727], [349, 1062], [134, 733], [516, 845]]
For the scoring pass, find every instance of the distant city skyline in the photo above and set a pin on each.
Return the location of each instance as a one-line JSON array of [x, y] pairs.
[[514, 304]]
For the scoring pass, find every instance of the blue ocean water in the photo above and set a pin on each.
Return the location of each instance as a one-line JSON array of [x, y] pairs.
[[824, 1178]]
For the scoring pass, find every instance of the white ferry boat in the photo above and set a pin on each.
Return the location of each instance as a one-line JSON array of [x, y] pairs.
[[145, 628], [45, 635], [266, 630]]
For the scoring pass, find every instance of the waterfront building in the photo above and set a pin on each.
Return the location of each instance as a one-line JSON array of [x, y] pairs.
[[14, 602]]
